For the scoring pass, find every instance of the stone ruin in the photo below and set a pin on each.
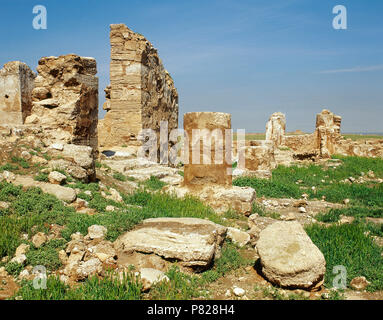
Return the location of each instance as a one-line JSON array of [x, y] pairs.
[[216, 168], [16, 85], [276, 129], [56, 110], [281, 149], [141, 93], [65, 99], [210, 179]]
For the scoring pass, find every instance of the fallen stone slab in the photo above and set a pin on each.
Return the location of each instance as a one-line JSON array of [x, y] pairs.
[[62, 193], [289, 258], [191, 241]]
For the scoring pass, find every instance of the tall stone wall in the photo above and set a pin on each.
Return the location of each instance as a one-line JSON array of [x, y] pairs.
[[141, 92], [65, 100], [16, 84]]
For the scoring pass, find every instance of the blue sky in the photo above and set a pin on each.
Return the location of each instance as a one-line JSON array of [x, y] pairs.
[[246, 57]]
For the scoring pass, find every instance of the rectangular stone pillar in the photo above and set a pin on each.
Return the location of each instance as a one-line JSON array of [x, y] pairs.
[[210, 125], [16, 85], [327, 133]]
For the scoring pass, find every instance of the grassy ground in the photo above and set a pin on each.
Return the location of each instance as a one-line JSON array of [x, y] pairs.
[[356, 137], [33, 208], [294, 181], [350, 245]]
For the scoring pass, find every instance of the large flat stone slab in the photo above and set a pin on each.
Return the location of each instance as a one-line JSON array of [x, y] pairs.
[[193, 242]]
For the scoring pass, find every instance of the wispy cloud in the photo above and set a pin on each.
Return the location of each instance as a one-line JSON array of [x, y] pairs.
[[354, 69]]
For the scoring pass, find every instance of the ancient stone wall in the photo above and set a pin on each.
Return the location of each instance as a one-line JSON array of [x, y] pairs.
[[259, 156], [327, 133], [275, 129], [303, 144], [217, 171], [364, 148], [141, 92], [65, 100], [16, 84]]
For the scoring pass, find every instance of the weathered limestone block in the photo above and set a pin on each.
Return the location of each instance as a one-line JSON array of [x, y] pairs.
[[259, 156], [303, 145], [62, 193], [214, 162], [141, 92], [193, 242], [289, 258], [219, 198], [16, 85], [65, 99], [275, 128], [327, 132]]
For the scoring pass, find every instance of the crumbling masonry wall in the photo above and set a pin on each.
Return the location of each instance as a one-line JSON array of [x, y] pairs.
[[324, 142], [141, 92], [65, 100], [16, 84]]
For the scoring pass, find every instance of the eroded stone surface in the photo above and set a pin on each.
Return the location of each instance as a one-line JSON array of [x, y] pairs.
[[16, 85], [65, 99], [193, 242], [288, 256], [141, 92], [209, 155]]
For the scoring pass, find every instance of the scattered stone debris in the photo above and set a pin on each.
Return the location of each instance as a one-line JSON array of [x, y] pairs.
[[359, 283]]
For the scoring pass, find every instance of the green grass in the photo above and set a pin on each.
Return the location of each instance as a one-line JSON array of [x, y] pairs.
[[181, 286], [333, 215], [41, 177], [119, 176], [94, 187], [8, 167], [263, 212], [20, 161], [46, 255], [14, 268], [347, 245], [231, 259], [153, 183], [284, 182], [356, 137], [108, 288], [33, 208]]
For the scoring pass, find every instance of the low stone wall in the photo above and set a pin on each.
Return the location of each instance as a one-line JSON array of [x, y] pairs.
[[304, 144]]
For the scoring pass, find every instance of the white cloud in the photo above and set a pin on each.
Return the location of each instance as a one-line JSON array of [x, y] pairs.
[[354, 69]]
